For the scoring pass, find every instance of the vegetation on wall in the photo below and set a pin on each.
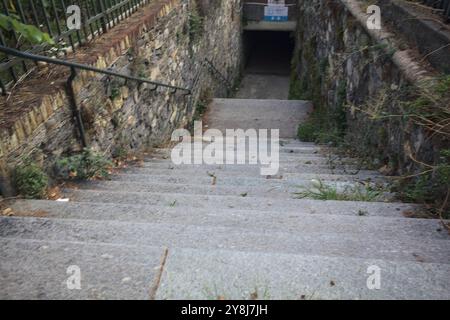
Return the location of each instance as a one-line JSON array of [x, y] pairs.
[[327, 124], [196, 23], [366, 125]]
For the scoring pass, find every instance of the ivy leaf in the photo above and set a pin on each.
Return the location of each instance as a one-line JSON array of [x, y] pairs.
[[28, 32]]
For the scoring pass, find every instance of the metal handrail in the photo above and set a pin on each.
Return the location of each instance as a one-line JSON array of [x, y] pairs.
[[69, 84], [210, 66], [37, 58]]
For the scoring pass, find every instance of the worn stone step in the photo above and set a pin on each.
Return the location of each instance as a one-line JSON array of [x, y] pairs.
[[38, 270], [272, 190], [283, 142], [301, 221], [193, 274], [282, 151], [368, 246], [249, 171], [292, 161], [223, 179], [197, 274], [307, 153], [286, 167], [261, 145], [305, 207], [186, 200]]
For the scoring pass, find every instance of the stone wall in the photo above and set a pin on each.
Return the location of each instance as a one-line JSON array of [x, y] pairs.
[[357, 85], [166, 41]]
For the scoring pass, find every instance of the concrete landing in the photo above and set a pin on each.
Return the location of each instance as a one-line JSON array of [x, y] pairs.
[[284, 115], [263, 86]]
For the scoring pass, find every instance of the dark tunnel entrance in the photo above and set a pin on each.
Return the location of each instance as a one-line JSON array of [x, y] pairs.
[[268, 52], [268, 57]]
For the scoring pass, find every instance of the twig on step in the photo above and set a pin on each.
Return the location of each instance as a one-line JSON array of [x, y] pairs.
[[158, 277]]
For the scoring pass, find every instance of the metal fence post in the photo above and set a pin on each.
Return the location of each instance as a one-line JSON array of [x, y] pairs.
[[103, 13]]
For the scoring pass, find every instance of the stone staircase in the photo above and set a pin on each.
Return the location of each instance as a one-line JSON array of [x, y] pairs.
[[161, 231]]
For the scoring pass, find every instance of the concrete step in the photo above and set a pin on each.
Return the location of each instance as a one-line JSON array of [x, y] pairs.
[[261, 145], [256, 180], [253, 171], [291, 161], [284, 152], [284, 191], [285, 167], [193, 274], [274, 190], [36, 270], [305, 207], [307, 154], [188, 200], [367, 246], [299, 221], [287, 143]]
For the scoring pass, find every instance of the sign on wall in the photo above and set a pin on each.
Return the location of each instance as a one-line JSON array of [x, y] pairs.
[[276, 10]]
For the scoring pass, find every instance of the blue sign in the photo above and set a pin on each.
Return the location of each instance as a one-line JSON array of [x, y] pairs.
[[275, 18], [276, 13]]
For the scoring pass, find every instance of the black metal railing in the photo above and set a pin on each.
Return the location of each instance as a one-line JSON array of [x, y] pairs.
[[219, 75], [50, 16], [69, 85], [442, 6]]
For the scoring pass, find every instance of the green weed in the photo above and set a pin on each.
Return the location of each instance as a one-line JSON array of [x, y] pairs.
[[30, 180], [84, 166]]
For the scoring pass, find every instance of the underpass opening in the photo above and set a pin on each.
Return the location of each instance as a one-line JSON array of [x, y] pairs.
[[268, 56]]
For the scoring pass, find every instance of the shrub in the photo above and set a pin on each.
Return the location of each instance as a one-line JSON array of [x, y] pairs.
[[307, 132], [30, 180], [84, 166]]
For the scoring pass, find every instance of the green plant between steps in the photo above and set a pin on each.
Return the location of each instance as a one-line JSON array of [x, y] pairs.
[[322, 191], [423, 189], [30, 180], [84, 166]]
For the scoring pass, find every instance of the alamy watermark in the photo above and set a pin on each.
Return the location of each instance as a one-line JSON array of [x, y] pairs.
[[374, 20], [73, 17], [374, 279], [73, 282], [234, 147]]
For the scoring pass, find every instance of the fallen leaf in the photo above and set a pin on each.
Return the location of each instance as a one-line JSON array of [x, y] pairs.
[[8, 212]]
